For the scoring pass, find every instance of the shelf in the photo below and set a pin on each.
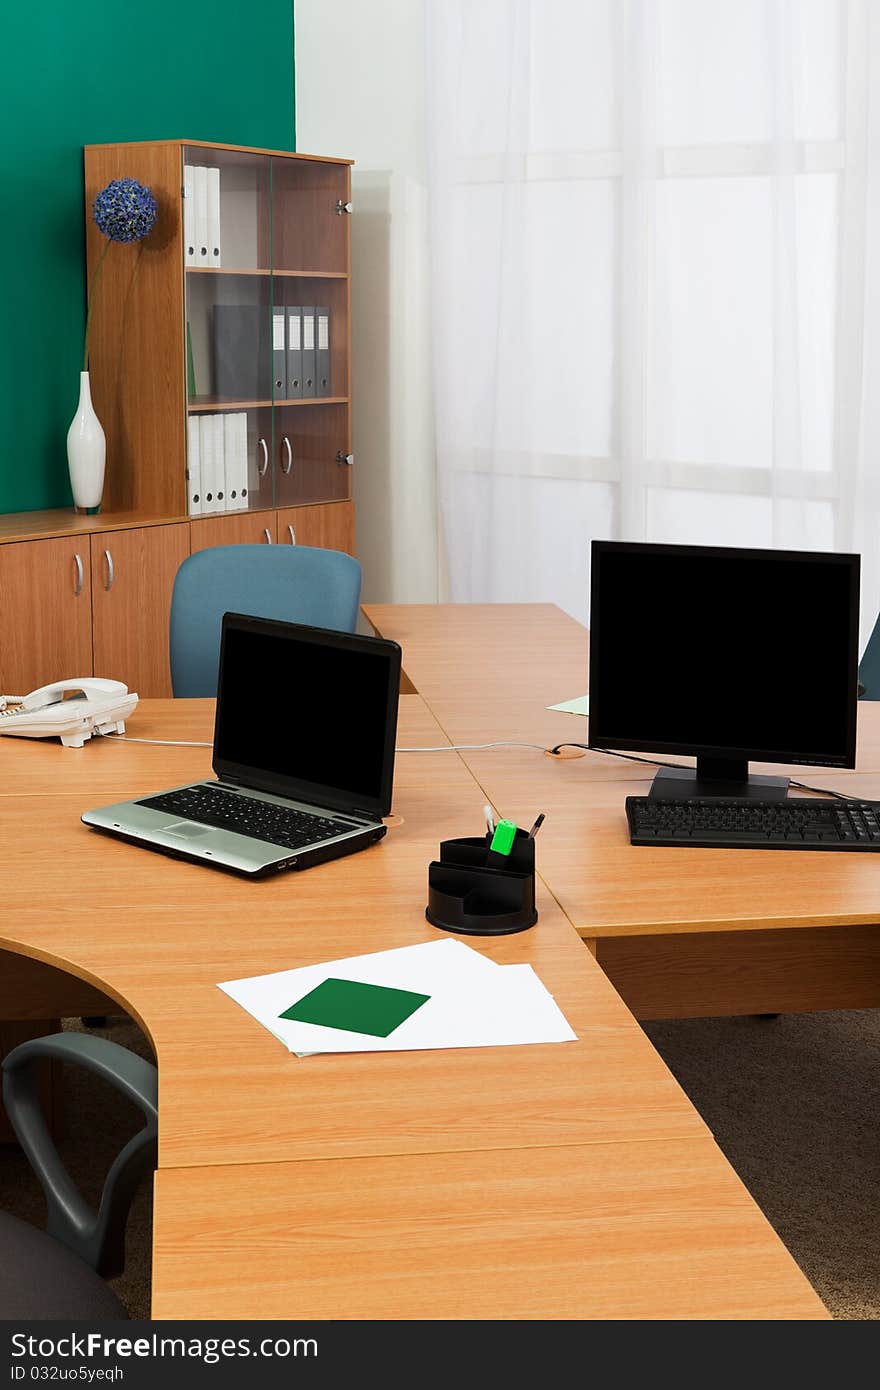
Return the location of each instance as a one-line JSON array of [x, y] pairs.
[[289, 274], [215, 403]]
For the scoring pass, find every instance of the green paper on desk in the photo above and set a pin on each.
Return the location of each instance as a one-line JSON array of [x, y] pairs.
[[355, 1007], [579, 706]]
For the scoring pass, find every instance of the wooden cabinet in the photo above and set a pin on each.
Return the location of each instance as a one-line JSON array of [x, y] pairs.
[[133, 576], [330, 525], [170, 348], [240, 528], [225, 368], [45, 605]]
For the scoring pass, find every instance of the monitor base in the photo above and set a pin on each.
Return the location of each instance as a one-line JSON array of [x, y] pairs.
[[680, 784]]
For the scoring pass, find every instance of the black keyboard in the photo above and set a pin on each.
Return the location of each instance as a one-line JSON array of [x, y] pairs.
[[734, 823], [247, 815]]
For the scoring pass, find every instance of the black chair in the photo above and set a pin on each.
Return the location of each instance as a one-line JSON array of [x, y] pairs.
[[869, 667], [57, 1273]]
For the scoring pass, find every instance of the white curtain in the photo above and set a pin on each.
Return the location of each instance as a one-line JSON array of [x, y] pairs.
[[655, 231]]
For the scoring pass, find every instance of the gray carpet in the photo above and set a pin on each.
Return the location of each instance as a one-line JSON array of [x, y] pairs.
[[794, 1103]]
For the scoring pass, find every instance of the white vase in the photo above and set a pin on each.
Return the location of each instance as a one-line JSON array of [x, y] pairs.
[[86, 449]]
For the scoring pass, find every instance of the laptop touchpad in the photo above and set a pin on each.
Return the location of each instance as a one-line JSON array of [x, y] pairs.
[[186, 830]]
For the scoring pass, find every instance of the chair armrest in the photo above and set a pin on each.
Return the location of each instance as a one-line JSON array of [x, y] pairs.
[[98, 1237]]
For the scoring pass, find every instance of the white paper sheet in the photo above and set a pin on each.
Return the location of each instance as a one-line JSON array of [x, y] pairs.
[[473, 1002], [580, 705]]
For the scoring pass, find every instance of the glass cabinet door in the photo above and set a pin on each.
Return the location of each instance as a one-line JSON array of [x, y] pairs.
[[228, 273], [266, 251], [310, 262]]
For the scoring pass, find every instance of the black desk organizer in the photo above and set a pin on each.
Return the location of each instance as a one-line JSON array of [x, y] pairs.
[[467, 896]]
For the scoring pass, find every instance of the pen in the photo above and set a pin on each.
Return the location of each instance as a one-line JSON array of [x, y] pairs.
[[537, 826], [490, 819]]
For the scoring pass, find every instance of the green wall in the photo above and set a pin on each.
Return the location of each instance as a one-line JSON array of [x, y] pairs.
[[81, 72]]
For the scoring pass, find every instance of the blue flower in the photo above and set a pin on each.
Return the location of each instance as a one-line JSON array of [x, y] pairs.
[[125, 210]]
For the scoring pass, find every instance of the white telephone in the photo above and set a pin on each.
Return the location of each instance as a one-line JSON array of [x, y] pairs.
[[69, 710]]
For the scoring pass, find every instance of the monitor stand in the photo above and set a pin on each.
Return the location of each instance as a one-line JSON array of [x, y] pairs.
[[717, 777]]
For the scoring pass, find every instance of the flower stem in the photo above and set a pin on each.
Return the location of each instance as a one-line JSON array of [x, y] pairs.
[[92, 288]]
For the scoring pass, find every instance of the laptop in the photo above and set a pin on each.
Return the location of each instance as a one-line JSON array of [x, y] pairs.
[[304, 740]]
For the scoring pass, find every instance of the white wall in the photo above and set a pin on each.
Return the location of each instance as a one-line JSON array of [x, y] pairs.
[[360, 95]]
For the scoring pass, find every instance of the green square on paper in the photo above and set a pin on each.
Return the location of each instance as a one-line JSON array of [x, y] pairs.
[[356, 1007]]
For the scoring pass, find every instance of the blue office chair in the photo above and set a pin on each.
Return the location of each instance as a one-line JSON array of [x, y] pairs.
[[869, 667], [56, 1273], [296, 583]]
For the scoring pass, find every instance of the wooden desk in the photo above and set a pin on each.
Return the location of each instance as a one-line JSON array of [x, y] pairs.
[[621, 1230], [681, 932], [255, 1138]]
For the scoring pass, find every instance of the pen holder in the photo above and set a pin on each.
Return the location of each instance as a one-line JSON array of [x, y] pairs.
[[473, 898]]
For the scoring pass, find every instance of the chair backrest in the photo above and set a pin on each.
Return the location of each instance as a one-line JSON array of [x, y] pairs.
[[294, 583], [869, 667]]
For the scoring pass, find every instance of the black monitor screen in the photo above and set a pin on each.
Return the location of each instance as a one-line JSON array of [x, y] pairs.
[[749, 653], [308, 713]]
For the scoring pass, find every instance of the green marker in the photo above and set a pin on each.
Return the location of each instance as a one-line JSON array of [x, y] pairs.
[[502, 840]]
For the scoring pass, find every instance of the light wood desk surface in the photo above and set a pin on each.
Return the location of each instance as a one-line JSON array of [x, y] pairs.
[[160, 934], [624, 1230], [444, 1146], [488, 672]]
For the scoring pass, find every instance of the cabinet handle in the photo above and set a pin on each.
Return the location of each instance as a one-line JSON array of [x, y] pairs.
[[342, 207], [266, 534], [286, 467], [78, 582], [261, 468], [111, 573], [292, 535], [347, 459]]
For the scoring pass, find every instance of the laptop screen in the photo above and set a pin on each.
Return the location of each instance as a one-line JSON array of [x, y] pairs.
[[307, 713]]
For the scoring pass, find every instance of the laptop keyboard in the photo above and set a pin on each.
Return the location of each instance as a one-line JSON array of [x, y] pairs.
[[247, 815]]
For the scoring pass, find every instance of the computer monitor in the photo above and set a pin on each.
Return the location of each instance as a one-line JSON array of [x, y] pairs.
[[726, 655]]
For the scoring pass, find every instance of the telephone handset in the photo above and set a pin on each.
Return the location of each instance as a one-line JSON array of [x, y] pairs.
[[70, 710]]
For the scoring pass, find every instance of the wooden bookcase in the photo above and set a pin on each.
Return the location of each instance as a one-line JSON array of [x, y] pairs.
[[91, 594], [284, 235]]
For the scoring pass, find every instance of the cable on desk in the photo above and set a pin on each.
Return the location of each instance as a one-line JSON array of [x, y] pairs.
[[466, 747], [167, 742], [438, 748], [498, 743], [657, 762]]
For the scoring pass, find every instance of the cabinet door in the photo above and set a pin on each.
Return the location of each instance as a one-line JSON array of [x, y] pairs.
[[330, 526], [46, 623], [131, 603], [242, 528], [311, 453]]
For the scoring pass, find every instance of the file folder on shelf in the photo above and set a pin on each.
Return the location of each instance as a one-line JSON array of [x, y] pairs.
[[279, 355], [213, 216], [241, 460], [242, 365], [189, 215], [211, 450], [308, 351], [294, 352], [193, 467], [200, 215], [322, 352], [219, 464], [235, 460]]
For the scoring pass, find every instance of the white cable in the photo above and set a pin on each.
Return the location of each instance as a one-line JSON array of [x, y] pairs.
[[168, 742], [439, 748], [456, 747]]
